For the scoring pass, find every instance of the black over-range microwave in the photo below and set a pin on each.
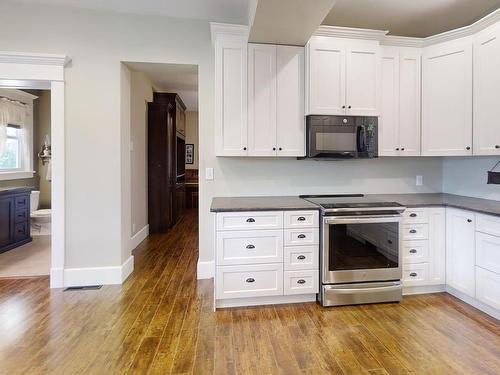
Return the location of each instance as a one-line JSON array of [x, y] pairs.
[[341, 137]]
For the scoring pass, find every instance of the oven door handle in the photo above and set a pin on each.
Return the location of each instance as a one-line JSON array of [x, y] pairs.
[[362, 219], [366, 290]]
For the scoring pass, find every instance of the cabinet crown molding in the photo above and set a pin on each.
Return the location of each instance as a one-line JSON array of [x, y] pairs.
[[228, 31], [33, 58], [350, 32]]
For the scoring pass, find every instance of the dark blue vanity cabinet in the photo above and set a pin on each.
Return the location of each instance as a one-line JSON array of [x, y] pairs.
[[14, 218]]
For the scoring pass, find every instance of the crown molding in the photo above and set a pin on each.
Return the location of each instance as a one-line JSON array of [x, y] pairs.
[[402, 41], [33, 58], [350, 32], [225, 30]]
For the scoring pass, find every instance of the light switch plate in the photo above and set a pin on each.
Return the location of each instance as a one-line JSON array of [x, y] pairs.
[[209, 173], [419, 180]]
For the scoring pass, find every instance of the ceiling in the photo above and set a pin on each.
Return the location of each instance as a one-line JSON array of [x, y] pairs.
[[418, 18], [231, 11], [179, 78]]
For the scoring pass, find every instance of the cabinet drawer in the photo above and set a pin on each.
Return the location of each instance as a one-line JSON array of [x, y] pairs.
[[295, 237], [488, 252], [416, 274], [21, 215], [488, 224], [415, 251], [301, 219], [301, 282], [21, 202], [415, 231], [21, 230], [301, 258], [488, 287], [415, 216], [249, 281], [249, 220], [249, 247]]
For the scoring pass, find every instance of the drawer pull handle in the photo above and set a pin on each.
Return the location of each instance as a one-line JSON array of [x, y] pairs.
[[301, 281], [413, 274], [250, 247], [413, 231], [301, 257], [251, 220], [469, 220], [301, 236], [389, 242], [250, 280], [301, 218], [413, 215], [413, 251]]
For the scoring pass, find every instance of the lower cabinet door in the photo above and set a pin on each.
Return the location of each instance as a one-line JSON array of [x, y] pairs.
[[249, 281], [488, 287], [301, 282], [416, 274]]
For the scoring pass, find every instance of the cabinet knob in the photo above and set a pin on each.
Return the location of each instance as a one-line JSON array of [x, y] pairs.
[[301, 218], [469, 220], [280, 149], [274, 148], [301, 236], [413, 215], [250, 246], [467, 148], [301, 257], [402, 149], [389, 242], [301, 281], [413, 251], [250, 280], [413, 274], [343, 107], [497, 146], [244, 148], [349, 107], [413, 231], [250, 220], [397, 148]]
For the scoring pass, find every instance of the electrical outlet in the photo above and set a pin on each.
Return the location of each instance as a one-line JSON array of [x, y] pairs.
[[419, 180], [209, 173]]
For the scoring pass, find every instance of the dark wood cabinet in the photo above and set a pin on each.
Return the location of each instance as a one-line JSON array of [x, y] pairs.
[[165, 161], [15, 226]]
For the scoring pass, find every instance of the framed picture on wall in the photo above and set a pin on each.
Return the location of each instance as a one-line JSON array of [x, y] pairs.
[[189, 153]]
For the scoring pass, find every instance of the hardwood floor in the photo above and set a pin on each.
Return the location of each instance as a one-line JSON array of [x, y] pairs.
[[161, 321]]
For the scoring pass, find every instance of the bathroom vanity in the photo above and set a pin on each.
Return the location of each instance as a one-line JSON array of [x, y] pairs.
[[14, 218]]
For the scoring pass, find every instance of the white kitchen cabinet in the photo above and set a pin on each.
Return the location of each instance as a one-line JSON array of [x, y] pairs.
[[488, 287], [447, 99], [437, 245], [231, 96], [488, 252], [343, 77], [276, 123], [399, 123], [460, 251], [486, 84]]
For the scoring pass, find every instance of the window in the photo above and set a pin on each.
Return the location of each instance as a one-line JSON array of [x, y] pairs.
[[12, 156]]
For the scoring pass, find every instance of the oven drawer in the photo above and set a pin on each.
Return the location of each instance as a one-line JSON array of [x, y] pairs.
[[249, 281], [301, 258], [415, 251], [249, 220], [354, 294], [249, 247], [416, 274], [301, 219], [415, 231], [415, 216], [294, 237], [301, 282]]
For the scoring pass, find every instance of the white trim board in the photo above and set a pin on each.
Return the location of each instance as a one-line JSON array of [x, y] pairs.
[[260, 301], [140, 236], [98, 275], [474, 302], [205, 270], [411, 290]]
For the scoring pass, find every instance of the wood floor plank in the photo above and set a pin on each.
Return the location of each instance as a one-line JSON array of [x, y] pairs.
[[161, 321]]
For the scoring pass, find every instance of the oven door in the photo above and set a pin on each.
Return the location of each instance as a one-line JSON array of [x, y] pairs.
[[361, 248]]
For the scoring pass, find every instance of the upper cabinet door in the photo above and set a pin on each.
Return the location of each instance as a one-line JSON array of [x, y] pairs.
[[486, 85], [231, 97], [363, 79], [388, 139], [326, 78], [261, 100], [290, 101], [447, 99], [409, 102]]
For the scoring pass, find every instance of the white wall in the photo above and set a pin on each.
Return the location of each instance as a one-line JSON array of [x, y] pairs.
[[98, 219], [467, 176], [141, 92], [192, 136]]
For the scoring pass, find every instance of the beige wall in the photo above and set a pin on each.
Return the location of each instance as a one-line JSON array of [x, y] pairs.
[[192, 136], [43, 128], [141, 92]]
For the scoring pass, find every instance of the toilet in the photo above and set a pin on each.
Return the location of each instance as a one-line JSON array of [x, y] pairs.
[[40, 219]]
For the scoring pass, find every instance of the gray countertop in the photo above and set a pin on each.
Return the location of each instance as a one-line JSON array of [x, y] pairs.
[[284, 203]]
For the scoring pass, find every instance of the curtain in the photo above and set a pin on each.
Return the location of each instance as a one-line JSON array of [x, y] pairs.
[[13, 113]]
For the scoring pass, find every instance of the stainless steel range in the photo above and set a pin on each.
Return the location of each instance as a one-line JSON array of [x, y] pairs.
[[360, 258]]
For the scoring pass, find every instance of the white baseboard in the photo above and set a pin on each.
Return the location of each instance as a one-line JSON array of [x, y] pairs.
[[271, 300], [98, 275], [474, 302], [140, 236], [56, 278], [205, 270], [409, 290]]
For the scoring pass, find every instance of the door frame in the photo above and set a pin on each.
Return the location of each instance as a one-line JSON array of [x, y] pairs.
[[37, 70]]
